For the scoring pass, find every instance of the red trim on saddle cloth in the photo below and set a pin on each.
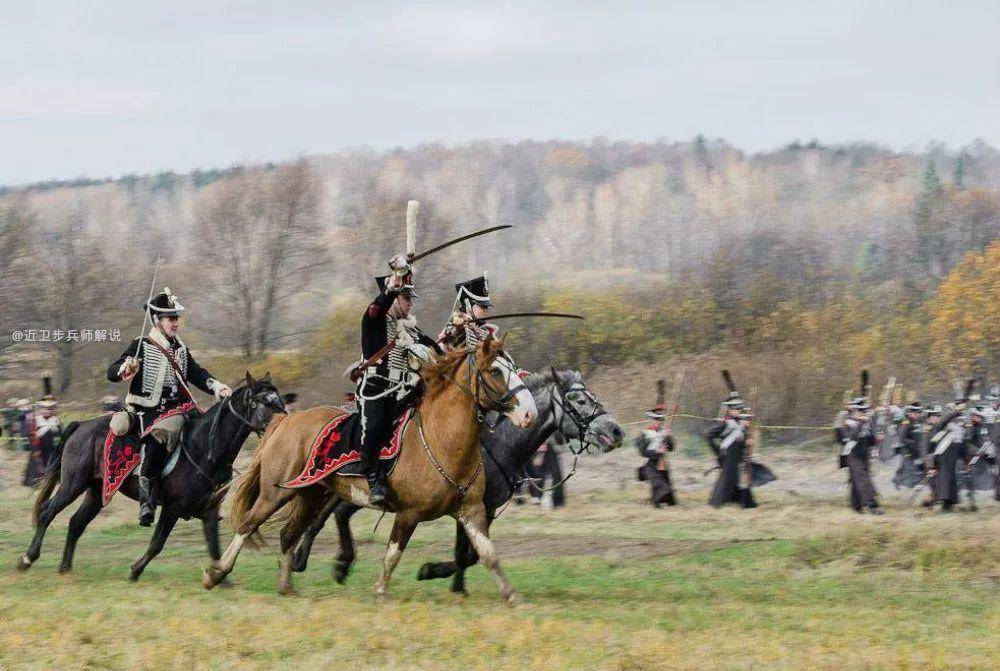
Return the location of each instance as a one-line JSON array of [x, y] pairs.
[[322, 463], [118, 465], [119, 460]]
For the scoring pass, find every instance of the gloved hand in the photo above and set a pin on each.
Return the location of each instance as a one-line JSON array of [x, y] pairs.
[[420, 351], [129, 368], [400, 266], [220, 389]]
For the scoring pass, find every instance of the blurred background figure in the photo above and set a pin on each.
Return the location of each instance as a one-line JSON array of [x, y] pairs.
[[111, 403], [291, 402], [545, 471], [44, 431]]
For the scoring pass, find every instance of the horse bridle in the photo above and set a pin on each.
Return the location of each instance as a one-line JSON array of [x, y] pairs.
[[501, 404], [560, 399]]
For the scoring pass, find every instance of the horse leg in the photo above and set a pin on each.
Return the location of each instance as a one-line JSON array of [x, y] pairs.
[[465, 556], [87, 511], [345, 557], [301, 556], [164, 525], [64, 496], [210, 529], [444, 569], [402, 529], [309, 502], [269, 501], [476, 524]]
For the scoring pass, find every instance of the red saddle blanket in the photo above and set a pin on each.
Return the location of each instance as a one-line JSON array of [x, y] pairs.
[[122, 454], [338, 444], [120, 457]]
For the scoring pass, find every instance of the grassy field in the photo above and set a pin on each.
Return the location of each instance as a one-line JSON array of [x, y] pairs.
[[800, 582]]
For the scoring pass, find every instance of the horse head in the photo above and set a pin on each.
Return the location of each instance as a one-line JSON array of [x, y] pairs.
[[581, 415], [257, 402], [496, 381]]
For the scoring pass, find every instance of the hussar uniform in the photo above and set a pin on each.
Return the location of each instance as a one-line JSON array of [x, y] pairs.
[[387, 384], [160, 371], [463, 329], [654, 444]]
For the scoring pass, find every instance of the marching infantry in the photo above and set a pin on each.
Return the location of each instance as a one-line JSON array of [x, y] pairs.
[[728, 440], [653, 443], [159, 369], [856, 436]]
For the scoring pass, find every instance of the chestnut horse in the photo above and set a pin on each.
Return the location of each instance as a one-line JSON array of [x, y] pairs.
[[439, 470]]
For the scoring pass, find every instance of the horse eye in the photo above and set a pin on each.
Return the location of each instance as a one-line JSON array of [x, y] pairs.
[[496, 373]]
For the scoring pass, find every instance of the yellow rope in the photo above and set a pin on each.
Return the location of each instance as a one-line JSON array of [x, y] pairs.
[[776, 427]]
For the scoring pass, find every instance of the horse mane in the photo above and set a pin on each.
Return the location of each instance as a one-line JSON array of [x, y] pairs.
[[438, 375], [536, 381]]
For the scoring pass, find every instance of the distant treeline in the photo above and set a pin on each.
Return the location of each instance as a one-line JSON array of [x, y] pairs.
[[800, 265]]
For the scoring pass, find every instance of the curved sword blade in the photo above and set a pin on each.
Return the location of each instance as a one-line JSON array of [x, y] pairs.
[[432, 250]]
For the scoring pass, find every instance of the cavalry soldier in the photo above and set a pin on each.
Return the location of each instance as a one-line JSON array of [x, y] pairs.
[[856, 435], [472, 302], [159, 369], [653, 443], [728, 441], [389, 380]]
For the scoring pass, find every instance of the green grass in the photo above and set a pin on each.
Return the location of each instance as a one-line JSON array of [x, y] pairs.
[[790, 585]]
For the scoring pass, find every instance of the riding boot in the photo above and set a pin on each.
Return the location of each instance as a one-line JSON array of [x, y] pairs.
[[147, 504], [149, 476], [376, 483]]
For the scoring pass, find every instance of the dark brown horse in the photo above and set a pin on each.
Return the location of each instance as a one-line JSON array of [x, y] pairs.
[[439, 470], [194, 488]]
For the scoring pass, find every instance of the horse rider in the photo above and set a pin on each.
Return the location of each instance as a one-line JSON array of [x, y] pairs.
[[386, 384], [159, 368], [472, 304]]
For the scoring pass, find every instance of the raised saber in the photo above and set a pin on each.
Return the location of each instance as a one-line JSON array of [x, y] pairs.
[[145, 313], [433, 250]]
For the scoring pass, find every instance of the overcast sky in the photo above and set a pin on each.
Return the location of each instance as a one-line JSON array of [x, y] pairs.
[[111, 87]]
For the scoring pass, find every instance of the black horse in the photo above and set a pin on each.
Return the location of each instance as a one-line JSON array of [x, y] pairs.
[[564, 404], [194, 488]]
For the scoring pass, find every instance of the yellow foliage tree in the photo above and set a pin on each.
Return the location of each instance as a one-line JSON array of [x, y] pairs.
[[966, 312]]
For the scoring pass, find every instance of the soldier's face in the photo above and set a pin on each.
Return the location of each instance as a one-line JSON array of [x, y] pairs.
[[403, 305], [480, 311], [170, 326]]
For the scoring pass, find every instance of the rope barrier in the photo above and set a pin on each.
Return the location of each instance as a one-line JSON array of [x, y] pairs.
[[773, 427]]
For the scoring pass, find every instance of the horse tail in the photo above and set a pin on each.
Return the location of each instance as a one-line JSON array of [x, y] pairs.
[[47, 483], [244, 498]]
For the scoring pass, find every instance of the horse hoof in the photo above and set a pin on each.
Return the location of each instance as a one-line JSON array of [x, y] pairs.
[[211, 576], [225, 583], [381, 598], [515, 599], [63, 570], [340, 572], [23, 563], [133, 576], [460, 592], [425, 572]]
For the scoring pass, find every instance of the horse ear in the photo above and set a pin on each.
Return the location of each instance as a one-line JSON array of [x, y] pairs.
[[267, 376], [555, 375], [250, 382]]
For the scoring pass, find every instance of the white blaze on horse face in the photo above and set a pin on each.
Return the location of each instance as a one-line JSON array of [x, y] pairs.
[[525, 411]]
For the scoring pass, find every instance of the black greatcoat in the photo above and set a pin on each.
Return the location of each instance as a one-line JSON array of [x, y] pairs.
[[857, 461], [728, 443]]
